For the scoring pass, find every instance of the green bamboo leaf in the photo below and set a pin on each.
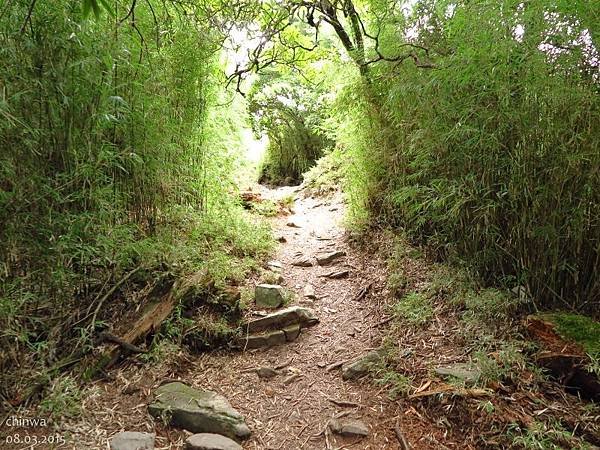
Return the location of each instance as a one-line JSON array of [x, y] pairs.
[[96, 8], [107, 7], [87, 5]]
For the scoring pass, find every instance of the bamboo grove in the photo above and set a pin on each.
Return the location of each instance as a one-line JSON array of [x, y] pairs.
[[471, 126]]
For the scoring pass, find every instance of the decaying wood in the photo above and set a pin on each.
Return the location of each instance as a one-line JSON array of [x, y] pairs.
[[150, 321]]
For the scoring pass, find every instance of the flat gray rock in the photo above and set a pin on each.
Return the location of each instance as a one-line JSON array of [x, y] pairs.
[[132, 440], [328, 258], [269, 295], [210, 441], [349, 428], [262, 340], [309, 291], [198, 411], [302, 261], [294, 315], [338, 275], [461, 371], [360, 367]]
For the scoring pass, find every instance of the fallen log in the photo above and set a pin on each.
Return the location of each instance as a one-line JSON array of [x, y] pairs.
[[150, 321], [185, 291]]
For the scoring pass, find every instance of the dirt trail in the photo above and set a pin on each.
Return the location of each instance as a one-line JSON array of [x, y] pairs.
[[295, 416], [281, 416]]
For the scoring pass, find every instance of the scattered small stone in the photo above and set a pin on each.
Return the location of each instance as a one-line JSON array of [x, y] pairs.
[[210, 441], [293, 225], [349, 428], [333, 208], [198, 411], [302, 261], [309, 292], [266, 372], [269, 296], [132, 440], [462, 371], [131, 389], [359, 367], [282, 239], [330, 257]]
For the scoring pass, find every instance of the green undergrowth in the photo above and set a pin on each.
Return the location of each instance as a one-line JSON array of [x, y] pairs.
[[117, 175], [327, 175], [414, 308], [491, 156], [288, 111], [484, 332], [266, 208]]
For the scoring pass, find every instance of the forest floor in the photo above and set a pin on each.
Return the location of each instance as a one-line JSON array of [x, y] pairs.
[[281, 416], [292, 410]]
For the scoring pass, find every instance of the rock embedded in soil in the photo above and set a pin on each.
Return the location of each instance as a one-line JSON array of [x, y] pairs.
[[349, 428], [271, 338], [210, 441], [269, 296], [461, 371], [292, 332], [328, 258], [360, 367], [336, 275], [294, 315], [262, 340], [132, 440], [293, 224], [302, 261], [309, 291], [266, 372], [198, 411]]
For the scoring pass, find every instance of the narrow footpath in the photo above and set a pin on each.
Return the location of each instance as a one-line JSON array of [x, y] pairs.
[[292, 412], [291, 408]]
